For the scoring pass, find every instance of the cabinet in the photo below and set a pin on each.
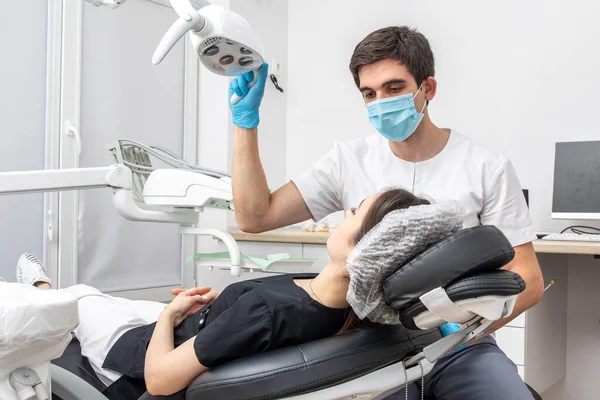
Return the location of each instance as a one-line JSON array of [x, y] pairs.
[[319, 252], [261, 250]]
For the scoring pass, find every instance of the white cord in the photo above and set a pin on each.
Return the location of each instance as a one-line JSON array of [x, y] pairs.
[[422, 381], [406, 381], [169, 158]]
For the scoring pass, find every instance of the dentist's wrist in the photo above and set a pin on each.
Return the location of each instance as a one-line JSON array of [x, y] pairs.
[[247, 121], [238, 130]]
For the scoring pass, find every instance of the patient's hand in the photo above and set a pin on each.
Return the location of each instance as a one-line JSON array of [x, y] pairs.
[[189, 302], [210, 296]]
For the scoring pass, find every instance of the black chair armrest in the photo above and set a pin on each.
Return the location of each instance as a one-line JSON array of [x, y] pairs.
[[496, 283]]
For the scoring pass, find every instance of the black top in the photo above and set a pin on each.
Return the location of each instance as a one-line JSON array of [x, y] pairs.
[[248, 317]]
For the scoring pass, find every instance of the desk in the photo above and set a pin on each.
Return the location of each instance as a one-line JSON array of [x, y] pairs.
[[566, 247]]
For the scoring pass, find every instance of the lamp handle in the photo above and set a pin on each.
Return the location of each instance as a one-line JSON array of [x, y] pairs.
[[235, 98]]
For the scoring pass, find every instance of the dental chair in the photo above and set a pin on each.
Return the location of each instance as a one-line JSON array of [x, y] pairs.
[[457, 280]]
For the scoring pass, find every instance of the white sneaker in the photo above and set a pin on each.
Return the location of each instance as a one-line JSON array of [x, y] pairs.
[[30, 270]]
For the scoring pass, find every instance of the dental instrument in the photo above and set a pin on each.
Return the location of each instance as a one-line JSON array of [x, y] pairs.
[[224, 41]]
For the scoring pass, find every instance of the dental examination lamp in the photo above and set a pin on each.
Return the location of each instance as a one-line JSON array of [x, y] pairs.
[[223, 40], [141, 192]]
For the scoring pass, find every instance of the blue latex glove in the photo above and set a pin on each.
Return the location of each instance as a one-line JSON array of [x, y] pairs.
[[245, 112], [449, 328]]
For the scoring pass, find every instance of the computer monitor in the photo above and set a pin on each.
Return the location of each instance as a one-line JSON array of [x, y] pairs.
[[576, 193]]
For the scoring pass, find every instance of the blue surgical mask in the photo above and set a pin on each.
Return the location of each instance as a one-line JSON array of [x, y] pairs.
[[396, 118]]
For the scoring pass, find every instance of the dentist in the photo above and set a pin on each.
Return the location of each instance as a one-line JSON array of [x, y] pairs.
[[393, 68]]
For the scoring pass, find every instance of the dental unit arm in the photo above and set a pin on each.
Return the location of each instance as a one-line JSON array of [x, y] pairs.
[[141, 192]]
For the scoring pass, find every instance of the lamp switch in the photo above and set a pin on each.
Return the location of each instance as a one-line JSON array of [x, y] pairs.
[[276, 67]]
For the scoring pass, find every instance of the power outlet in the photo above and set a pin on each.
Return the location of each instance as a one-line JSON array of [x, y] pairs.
[[276, 68]]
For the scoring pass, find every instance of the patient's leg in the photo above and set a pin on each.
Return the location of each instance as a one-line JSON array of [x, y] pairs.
[[102, 318], [31, 271], [43, 286]]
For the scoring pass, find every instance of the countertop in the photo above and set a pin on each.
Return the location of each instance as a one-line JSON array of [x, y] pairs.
[[300, 237]]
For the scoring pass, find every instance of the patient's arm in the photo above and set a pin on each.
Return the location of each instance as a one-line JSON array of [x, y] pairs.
[[525, 264], [169, 370]]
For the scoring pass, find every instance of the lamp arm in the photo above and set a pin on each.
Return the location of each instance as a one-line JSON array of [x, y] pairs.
[[189, 20]]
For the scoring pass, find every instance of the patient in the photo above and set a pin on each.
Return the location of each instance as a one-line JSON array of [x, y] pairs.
[[162, 348]]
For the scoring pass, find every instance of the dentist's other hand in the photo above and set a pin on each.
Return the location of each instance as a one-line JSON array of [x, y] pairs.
[[449, 328], [245, 112]]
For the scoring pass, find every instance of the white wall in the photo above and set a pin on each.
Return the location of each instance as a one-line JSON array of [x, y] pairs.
[[516, 76], [22, 119]]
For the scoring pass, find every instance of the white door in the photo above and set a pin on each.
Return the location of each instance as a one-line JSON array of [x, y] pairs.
[[23, 40], [120, 94]]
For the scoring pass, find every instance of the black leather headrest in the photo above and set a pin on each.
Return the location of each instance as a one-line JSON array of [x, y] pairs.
[[498, 283], [466, 252]]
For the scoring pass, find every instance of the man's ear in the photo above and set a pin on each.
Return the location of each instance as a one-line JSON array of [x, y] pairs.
[[429, 88]]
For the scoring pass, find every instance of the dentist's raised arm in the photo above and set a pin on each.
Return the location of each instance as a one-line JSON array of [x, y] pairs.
[[256, 208]]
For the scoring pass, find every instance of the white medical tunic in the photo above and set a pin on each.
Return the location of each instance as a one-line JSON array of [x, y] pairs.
[[485, 182]]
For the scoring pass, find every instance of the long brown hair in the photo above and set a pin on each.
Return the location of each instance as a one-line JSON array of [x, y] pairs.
[[386, 202]]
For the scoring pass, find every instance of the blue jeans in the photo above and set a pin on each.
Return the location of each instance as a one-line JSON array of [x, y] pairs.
[[479, 372]]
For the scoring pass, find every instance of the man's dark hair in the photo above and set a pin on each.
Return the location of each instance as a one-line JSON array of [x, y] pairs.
[[401, 43]]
